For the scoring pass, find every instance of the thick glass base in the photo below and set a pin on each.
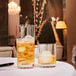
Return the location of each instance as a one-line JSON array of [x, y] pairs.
[[46, 65], [25, 66]]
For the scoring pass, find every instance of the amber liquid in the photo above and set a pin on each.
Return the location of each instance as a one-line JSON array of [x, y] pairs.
[[49, 60], [25, 53]]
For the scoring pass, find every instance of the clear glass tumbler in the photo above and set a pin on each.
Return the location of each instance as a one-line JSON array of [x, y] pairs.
[[25, 49], [47, 55]]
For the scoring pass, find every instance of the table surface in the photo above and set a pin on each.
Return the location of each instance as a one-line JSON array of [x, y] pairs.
[[61, 69]]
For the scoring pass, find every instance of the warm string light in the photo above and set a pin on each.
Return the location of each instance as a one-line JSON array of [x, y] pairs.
[[13, 8], [36, 16], [38, 13], [36, 20], [42, 11], [37, 4], [36, 8], [34, 1]]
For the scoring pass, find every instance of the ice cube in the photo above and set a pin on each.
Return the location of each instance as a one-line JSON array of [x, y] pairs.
[[46, 53], [45, 57], [22, 49], [28, 38]]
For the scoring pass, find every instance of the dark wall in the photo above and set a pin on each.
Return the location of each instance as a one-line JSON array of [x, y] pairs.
[[26, 7], [70, 16], [54, 8], [3, 22]]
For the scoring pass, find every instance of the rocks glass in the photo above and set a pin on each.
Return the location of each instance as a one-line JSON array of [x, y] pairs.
[[47, 55]]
